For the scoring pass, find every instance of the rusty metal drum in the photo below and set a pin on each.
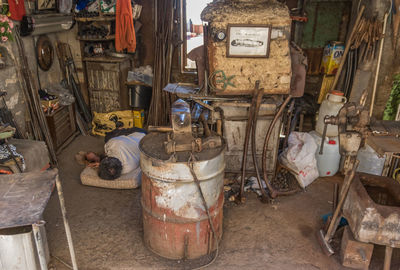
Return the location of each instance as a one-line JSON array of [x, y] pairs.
[[175, 223]]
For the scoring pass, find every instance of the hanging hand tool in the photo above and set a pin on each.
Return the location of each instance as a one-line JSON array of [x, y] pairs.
[[347, 48]]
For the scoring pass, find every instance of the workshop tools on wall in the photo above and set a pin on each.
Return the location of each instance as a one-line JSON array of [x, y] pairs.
[[395, 22], [347, 48], [70, 75]]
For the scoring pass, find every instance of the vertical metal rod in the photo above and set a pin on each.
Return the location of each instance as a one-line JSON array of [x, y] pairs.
[[335, 197], [39, 244], [66, 224], [371, 107], [321, 149], [388, 258]]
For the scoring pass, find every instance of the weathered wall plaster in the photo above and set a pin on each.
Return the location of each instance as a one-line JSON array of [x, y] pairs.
[[10, 77], [273, 72]]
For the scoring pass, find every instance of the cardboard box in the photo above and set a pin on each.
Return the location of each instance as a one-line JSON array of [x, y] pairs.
[[138, 118], [331, 58]]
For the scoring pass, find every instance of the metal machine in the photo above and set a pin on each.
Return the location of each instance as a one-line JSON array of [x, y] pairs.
[[182, 188], [370, 221]]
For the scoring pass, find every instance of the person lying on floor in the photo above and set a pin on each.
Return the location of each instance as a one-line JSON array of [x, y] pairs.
[[121, 154]]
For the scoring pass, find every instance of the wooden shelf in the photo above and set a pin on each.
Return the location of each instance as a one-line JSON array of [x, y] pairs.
[[110, 37], [105, 59], [95, 19]]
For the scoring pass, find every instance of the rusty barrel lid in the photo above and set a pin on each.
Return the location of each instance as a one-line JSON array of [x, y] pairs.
[[156, 164]]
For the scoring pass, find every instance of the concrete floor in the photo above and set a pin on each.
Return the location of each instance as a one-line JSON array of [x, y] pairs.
[[107, 227]]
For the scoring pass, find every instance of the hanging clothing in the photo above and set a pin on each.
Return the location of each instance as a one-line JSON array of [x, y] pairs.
[[124, 31], [17, 9]]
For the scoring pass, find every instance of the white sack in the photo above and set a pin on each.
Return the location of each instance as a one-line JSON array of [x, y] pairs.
[[300, 157]]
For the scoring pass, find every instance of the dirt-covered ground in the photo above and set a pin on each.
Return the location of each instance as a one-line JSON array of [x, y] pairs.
[[107, 227]]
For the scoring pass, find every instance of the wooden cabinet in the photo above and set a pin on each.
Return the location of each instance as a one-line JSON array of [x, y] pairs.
[[106, 79], [61, 125]]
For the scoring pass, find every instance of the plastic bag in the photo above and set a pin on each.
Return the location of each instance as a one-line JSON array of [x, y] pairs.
[[65, 97], [300, 157]]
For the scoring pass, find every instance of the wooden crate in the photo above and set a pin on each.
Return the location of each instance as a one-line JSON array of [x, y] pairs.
[[61, 125], [106, 83]]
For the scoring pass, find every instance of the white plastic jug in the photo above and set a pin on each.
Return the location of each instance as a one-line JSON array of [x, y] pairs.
[[330, 106], [327, 163]]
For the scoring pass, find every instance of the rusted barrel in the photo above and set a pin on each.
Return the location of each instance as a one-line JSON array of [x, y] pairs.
[[175, 223]]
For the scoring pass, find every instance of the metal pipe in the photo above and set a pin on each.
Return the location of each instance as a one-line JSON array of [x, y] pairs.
[[66, 224], [159, 129], [321, 149], [335, 196], [39, 244], [246, 142], [264, 195], [272, 190]]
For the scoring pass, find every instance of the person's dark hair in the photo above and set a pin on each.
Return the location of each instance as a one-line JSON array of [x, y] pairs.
[[110, 168]]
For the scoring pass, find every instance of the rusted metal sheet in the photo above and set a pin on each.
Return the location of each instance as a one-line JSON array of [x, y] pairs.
[[174, 219], [235, 116], [389, 128], [374, 216], [24, 196]]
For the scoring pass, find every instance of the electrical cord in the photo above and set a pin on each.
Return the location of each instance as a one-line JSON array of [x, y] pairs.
[[197, 182]]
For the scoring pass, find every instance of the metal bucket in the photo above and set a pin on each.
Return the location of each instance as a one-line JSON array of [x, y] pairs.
[[18, 249], [174, 220]]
